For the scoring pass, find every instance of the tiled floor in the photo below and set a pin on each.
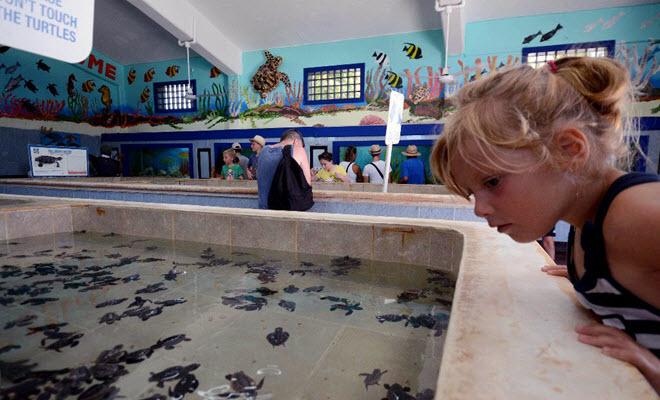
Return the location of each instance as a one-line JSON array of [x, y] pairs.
[[324, 355]]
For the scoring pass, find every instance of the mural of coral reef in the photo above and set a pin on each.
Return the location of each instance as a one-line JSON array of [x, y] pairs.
[[270, 93]]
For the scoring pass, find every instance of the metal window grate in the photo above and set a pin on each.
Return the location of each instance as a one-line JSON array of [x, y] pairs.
[[538, 56], [170, 97], [334, 84]]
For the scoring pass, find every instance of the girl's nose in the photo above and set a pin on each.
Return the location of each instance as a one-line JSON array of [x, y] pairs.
[[481, 207]]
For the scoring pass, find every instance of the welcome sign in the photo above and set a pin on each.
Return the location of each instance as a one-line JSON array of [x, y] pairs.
[[59, 29]]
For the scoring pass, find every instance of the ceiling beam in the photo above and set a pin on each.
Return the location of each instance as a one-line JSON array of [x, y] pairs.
[[183, 21]]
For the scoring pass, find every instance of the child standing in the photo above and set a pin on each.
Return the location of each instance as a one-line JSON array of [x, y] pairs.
[[231, 170], [533, 147]]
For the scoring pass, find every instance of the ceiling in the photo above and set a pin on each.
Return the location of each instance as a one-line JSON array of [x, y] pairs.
[[124, 33]]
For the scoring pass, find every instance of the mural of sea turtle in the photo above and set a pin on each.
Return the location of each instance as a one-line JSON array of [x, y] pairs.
[[41, 160], [267, 76]]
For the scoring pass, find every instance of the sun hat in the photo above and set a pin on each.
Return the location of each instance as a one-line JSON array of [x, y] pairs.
[[236, 146], [411, 151], [259, 139], [375, 149]]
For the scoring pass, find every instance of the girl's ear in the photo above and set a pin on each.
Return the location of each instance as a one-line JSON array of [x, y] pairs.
[[573, 147]]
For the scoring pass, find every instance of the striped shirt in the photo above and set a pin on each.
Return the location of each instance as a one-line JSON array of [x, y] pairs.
[[597, 289]]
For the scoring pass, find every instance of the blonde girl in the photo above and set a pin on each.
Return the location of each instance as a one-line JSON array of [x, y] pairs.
[[535, 146]]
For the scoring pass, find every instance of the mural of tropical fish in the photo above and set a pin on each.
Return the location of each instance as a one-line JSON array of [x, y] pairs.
[[531, 37], [106, 98], [41, 65], [144, 96], [412, 51], [52, 88], [149, 75], [394, 80], [550, 34], [131, 76], [88, 86], [29, 85], [215, 72], [71, 86], [12, 69], [172, 70], [382, 59]]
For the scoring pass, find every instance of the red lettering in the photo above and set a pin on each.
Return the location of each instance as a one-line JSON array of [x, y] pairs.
[[110, 71], [93, 61]]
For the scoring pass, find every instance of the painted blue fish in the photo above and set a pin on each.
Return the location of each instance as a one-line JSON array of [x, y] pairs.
[[12, 69], [13, 83]]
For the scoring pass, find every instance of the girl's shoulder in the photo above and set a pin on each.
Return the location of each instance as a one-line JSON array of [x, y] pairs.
[[632, 226]]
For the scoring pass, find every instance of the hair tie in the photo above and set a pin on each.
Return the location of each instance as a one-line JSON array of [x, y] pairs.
[[553, 66]]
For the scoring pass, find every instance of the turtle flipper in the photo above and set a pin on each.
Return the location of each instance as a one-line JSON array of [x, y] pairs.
[[284, 78]]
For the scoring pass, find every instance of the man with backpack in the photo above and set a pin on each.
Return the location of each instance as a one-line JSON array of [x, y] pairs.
[[374, 172], [284, 177]]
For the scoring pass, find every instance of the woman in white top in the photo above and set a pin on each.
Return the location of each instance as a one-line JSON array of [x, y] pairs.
[[351, 167], [375, 171]]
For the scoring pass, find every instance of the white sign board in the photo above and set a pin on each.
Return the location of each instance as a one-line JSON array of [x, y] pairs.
[[58, 161], [59, 29], [394, 118]]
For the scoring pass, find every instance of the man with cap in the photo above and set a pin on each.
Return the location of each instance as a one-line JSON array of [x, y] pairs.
[[257, 144], [374, 172], [242, 160], [412, 170]]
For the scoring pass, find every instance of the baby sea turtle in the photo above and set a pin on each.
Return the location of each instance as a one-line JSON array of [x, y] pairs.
[[112, 356], [23, 321], [314, 289], [172, 373], [109, 318], [172, 302], [99, 391], [425, 320], [349, 308], [277, 338], [391, 318], [372, 378], [70, 341], [268, 77], [138, 355], [138, 302], [108, 372], [187, 384], [243, 384], [291, 289], [170, 342], [153, 288], [398, 392], [345, 261], [264, 291], [287, 305]]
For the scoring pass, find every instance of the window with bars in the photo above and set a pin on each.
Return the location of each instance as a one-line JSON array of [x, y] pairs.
[[334, 84], [538, 56], [170, 97]]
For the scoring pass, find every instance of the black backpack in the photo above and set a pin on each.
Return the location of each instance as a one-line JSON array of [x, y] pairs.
[[289, 190]]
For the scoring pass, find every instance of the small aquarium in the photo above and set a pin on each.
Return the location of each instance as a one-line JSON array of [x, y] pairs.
[[158, 161]]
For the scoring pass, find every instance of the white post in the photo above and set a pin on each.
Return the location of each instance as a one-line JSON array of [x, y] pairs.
[[393, 130], [388, 159]]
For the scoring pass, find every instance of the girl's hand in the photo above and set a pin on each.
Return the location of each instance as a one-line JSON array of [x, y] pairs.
[[555, 270], [617, 344]]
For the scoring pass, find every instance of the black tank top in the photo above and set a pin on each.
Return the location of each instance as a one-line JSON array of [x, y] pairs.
[[598, 290]]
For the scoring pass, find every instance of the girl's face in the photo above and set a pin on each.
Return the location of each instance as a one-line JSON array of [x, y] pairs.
[[228, 159], [523, 205], [327, 165]]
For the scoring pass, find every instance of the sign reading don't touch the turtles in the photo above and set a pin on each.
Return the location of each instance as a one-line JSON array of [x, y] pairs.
[[59, 29], [57, 161]]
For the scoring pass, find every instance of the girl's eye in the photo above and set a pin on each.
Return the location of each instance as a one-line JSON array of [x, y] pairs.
[[492, 182]]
